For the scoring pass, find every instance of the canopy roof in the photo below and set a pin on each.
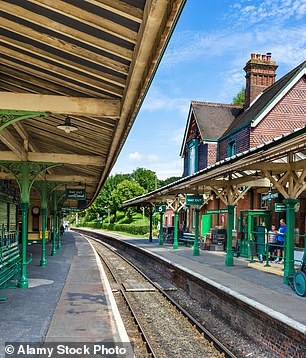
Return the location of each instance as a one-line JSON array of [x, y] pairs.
[[90, 59]]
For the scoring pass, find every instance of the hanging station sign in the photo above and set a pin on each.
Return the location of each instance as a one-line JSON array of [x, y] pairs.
[[194, 200], [217, 211], [75, 194], [279, 208], [269, 196], [160, 208]]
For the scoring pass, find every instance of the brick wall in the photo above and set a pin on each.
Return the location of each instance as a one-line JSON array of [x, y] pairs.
[[212, 153], [287, 115], [242, 142]]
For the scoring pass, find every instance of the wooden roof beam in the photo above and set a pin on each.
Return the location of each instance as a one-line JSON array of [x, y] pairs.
[[70, 32], [91, 19], [60, 104], [63, 46], [120, 8], [75, 159], [10, 141]]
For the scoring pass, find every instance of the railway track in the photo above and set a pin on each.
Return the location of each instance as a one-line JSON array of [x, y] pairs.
[[166, 329]]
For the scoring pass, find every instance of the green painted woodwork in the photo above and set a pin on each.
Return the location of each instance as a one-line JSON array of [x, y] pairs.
[[59, 244], [196, 251], [176, 227], [289, 270], [8, 117], [193, 146], [206, 224], [250, 221], [229, 259], [161, 238]]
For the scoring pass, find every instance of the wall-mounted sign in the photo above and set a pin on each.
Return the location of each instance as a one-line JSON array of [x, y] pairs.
[[160, 208], [194, 200], [220, 211], [75, 194]]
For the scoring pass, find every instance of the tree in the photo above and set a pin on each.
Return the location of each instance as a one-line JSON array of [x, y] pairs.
[[145, 178], [169, 180], [126, 190], [240, 98]]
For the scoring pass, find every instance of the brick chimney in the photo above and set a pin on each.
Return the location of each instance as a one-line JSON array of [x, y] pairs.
[[260, 74]]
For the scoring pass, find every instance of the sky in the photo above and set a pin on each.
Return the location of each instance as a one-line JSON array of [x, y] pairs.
[[204, 61]]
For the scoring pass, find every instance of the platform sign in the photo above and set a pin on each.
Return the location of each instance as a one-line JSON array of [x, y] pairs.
[[160, 208], [217, 211], [194, 200], [279, 208], [70, 210], [75, 194]]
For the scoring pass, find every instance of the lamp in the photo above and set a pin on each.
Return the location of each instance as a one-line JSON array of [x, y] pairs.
[[67, 126]]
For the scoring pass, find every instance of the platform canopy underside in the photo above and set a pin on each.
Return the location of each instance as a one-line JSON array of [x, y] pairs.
[[91, 60]]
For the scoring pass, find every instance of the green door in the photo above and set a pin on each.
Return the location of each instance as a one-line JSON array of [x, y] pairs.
[[206, 224]]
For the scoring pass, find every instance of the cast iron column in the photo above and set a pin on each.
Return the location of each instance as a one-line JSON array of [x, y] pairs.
[[196, 251], [43, 260], [23, 281], [289, 239], [161, 239], [151, 225], [175, 239], [229, 260]]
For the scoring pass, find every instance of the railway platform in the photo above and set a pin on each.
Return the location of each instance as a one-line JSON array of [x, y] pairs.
[[261, 289], [65, 302]]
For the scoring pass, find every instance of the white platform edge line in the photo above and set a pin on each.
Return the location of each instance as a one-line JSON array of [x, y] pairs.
[[104, 281]]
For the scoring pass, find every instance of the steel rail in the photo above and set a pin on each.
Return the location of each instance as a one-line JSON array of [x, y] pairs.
[[144, 335], [208, 335]]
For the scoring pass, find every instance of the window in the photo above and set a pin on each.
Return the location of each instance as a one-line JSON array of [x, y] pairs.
[[231, 148], [192, 156]]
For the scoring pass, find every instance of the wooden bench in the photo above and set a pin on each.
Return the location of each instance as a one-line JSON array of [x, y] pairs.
[[187, 239], [9, 265]]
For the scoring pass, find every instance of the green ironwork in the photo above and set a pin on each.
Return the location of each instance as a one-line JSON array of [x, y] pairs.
[[289, 240], [196, 251], [151, 225], [59, 197], [25, 174], [45, 188], [23, 281], [59, 244], [43, 260], [8, 117], [161, 238], [176, 226], [229, 259]]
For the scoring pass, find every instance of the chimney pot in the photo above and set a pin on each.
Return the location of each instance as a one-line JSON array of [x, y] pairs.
[[258, 56], [252, 56], [264, 57], [269, 56]]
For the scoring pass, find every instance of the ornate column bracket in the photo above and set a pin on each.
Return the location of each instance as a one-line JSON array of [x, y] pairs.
[[231, 194], [8, 117], [176, 204], [25, 174]]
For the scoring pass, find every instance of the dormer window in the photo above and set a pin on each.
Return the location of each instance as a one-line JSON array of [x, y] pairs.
[[231, 148], [192, 148]]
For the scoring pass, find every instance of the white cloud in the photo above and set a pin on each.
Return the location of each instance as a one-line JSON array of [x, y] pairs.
[[177, 135], [152, 157], [135, 157], [157, 100], [272, 10]]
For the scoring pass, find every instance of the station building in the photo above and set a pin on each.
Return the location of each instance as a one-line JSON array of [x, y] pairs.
[[216, 131], [246, 167]]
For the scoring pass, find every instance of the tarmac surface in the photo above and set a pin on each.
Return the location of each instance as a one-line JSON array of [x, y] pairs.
[[262, 289], [69, 300]]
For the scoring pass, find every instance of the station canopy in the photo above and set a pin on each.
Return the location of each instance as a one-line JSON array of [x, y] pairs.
[[84, 65]]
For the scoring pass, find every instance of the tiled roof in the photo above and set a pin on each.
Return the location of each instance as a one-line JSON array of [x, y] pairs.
[[259, 105], [214, 118]]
